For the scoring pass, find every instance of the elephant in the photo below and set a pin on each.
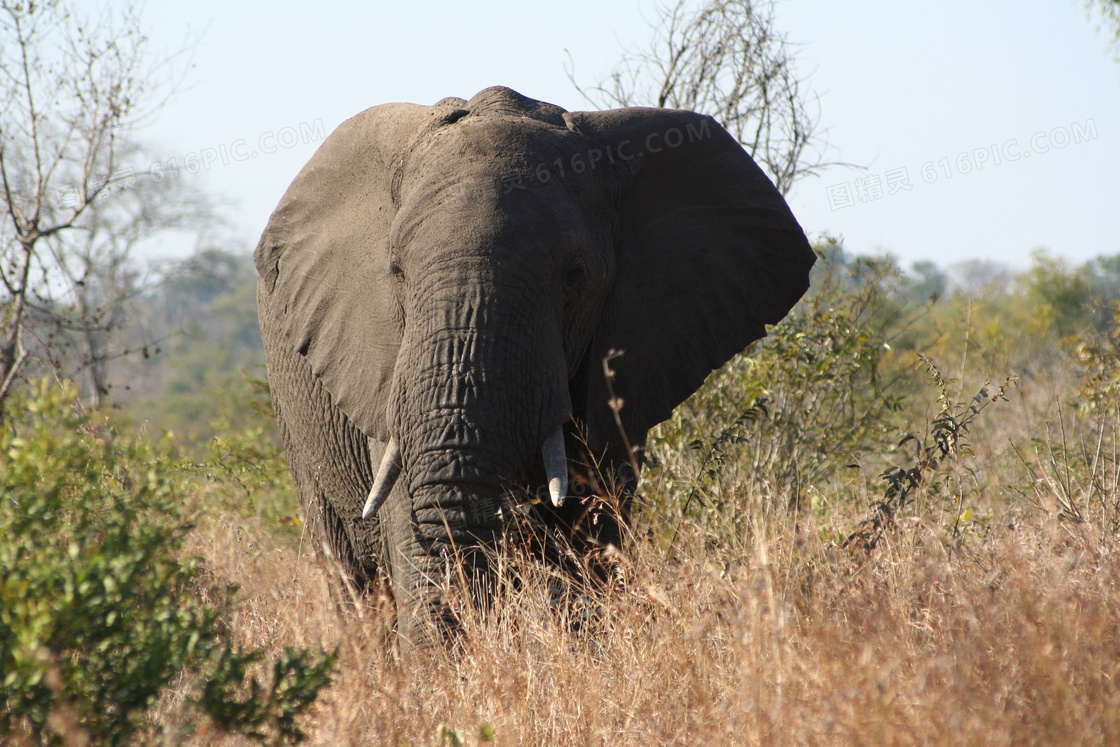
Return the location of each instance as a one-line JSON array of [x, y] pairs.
[[461, 300]]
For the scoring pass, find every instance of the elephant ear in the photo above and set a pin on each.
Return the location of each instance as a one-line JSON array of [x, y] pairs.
[[323, 259], [707, 254]]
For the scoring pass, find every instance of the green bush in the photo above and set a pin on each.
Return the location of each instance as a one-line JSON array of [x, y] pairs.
[[247, 461], [98, 610], [928, 477], [823, 391]]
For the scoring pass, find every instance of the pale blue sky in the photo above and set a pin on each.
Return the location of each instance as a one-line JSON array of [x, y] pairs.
[[902, 86]]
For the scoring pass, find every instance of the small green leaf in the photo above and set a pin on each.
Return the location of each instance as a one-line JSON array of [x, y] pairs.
[[451, 736]]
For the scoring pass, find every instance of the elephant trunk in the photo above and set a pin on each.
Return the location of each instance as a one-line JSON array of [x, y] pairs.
[[454, 478], [481, 399]]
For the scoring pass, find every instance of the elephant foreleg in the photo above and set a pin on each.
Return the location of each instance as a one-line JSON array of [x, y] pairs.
[[329, 459]]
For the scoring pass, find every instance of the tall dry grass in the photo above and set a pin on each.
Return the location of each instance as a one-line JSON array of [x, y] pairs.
[[1009, 636], [985, 611]]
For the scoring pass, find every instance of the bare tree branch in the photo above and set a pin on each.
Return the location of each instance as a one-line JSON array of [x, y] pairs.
[[725, 58], [72, 85]]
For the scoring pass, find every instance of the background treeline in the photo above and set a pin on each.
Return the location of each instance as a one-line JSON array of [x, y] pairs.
[[193, 341], [200, 327], [895, 519]]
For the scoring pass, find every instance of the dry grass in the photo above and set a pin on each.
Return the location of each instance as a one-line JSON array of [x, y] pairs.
[[986, 614], [1005, 636]]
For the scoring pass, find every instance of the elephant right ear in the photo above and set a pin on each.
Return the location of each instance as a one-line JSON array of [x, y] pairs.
[[707, 254], [323, 260]]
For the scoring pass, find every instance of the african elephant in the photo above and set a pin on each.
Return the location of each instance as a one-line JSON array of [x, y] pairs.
[[439, 288]]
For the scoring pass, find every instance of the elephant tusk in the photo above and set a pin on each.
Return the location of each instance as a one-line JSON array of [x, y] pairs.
[[556, 466], [387, 475]]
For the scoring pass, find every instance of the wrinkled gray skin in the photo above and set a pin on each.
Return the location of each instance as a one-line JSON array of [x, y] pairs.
[[454, 275]]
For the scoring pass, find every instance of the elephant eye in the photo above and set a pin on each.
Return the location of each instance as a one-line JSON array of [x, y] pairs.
[[576, 275], [396, 271]]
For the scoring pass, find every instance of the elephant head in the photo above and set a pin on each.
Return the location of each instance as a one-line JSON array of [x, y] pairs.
[[450, 279]]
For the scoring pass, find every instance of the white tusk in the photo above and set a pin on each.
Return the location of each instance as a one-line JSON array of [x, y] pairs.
[[387, 475], [556, 466]]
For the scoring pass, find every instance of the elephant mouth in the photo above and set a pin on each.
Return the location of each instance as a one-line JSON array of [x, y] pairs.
[[553, 452]]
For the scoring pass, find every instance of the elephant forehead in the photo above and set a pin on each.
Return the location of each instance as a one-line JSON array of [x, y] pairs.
[[476, 212], [502, 100], [493, 145], [495, 177], [462, 206]]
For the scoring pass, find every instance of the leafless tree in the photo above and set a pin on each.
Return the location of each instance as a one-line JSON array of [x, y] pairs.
[[724, 58], [98, 279], [72, 85]]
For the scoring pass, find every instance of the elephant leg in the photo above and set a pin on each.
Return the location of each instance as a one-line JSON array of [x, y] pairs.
[[329, 459]]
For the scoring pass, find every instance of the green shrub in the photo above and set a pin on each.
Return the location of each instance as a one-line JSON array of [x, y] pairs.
[[820, 393], [98, 611], [928, 477], [247, 461]]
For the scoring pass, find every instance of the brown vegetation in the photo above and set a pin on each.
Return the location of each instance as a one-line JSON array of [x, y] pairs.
[[1007, 637], [983, 612], [895, 522]]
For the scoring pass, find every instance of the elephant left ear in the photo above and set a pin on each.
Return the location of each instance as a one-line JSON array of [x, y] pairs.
[[707, 254]]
